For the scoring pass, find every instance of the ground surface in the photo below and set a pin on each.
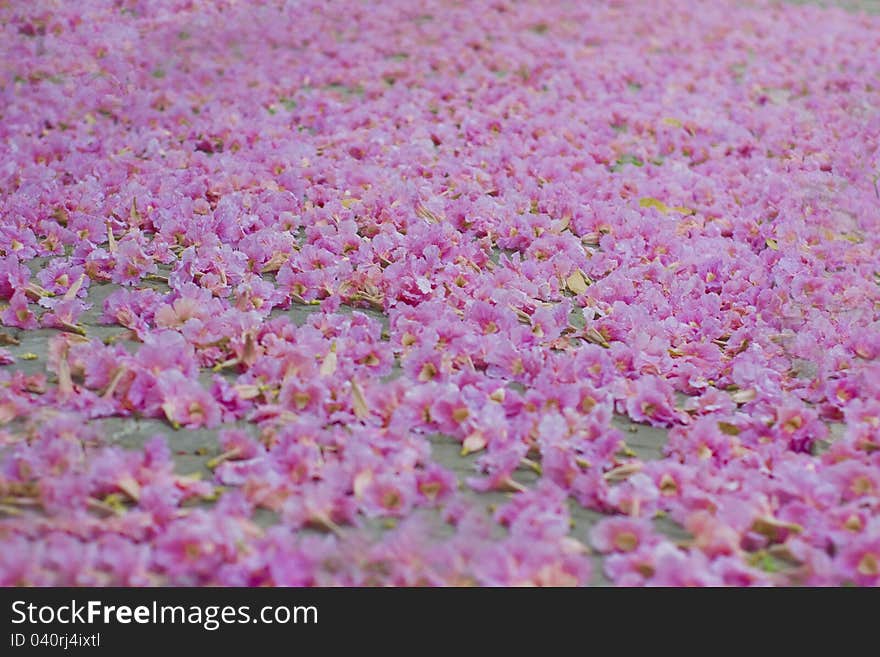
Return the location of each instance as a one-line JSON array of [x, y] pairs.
[[223, 111]]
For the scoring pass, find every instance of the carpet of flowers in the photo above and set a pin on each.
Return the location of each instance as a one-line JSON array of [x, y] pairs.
[[510, 223]]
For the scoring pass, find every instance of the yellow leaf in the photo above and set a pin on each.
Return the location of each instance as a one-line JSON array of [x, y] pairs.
[[769, 526], [133, 214], [473, 443], [576, 282], [624, 471], [361, 482], [729, 429], [329, 364], [675, 123], [168, 409], [744, 396], [71, 292], [274, 263], [349, 202], [359, 403], [211, 464], [114, 502], [247, 390], [772, 244], [65, 383], [111, 239], [592, 335], [130, 486], [648, 202]]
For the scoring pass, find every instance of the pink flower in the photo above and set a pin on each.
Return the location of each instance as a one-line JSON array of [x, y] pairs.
[[677, 567], [651, 400], [859, 560], [64, 315], [540, 513], [389, 495], [133, 309], [435, 484], [185, 403], [622, 534], [340, 251], [18, 314]]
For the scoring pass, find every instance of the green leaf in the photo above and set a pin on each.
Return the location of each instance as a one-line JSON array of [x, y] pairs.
[[729, 429], [625, 159]]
